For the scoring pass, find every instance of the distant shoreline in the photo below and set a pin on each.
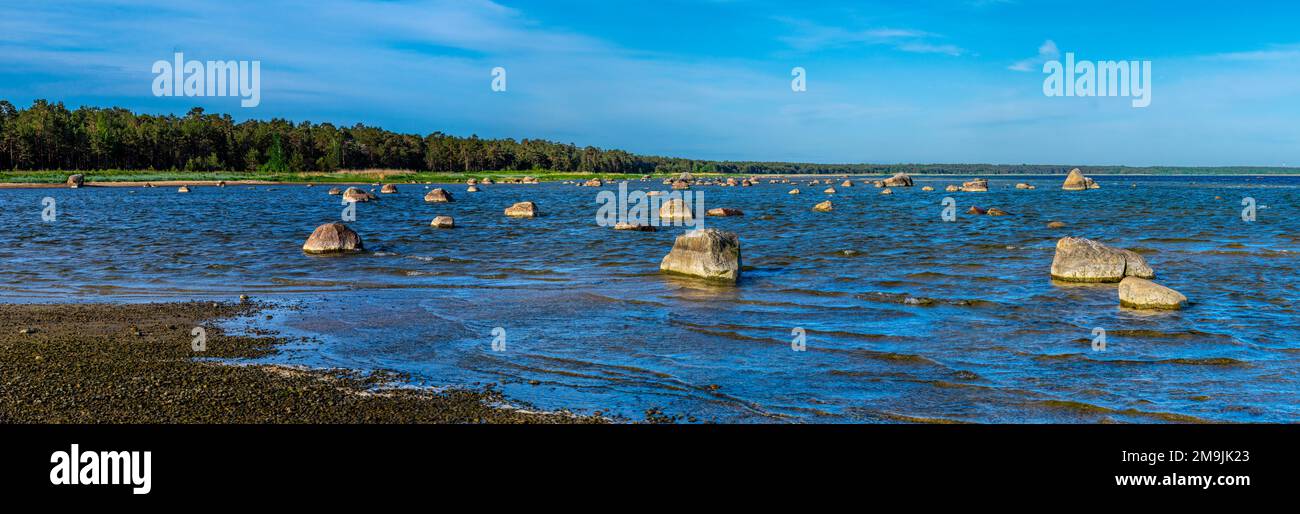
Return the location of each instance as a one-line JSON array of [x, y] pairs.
[[177, 180]]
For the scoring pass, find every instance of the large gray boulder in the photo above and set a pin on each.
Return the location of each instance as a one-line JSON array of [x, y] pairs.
[[707, 253], [1140, 293], [332, 237], [76, 181], [1084, 260], [438, 195], [899, 180]]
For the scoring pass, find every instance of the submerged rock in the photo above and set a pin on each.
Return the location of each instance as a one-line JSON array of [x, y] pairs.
[[335, 191], [994, 211], [927, 188], [723, 211], [707, 253], [1075, 181], [332, 237], [438, 195], [681, 184], [952, 188], [1084, 260], [829, 191], [443, 222], [898, 180], [471, 189], [522, 210], [794, 191], [76, 181], [1056, 224], [1140, 293], [635, 226], [824, 206], [974, 209], [388, 189], [846, 184], [1022, 185], [183, 189], [886, 191]]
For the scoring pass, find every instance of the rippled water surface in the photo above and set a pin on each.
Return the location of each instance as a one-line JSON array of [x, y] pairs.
[[908, 317]]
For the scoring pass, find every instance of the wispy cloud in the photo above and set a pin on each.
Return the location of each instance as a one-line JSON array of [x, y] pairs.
[[807, 36], [1288, 52], [1046, 52]]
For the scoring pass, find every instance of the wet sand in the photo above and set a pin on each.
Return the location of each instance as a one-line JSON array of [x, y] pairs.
[[133, 363]]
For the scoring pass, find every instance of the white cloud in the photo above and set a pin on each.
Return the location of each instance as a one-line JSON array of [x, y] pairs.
[[811, 37], [1046, 52]]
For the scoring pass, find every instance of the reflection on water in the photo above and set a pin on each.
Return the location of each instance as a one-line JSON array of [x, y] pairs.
[[907, 318]]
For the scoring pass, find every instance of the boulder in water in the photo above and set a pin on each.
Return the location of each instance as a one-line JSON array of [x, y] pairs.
[[886, 191], [994, 211], [1056, 224], [898, 180], [707, 253], [952, 188], [438, 195], [829, 191], [723, 212], [443, 222], [357, 195], [824, 206], [1084, 260], [675, 210], [335, 191], [76, 181], [635, 226], [1140, 293], [978, 185], [183, 189], [975, 210], [388, 189], [471, 189], [332, 237], [927, 188], [794, 191], [1075, 181], [522, 210]]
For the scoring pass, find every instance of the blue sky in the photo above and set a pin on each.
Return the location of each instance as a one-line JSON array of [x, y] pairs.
[[915, 81]]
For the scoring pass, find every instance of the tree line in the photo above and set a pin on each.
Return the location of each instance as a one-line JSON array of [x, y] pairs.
[[49, 136]]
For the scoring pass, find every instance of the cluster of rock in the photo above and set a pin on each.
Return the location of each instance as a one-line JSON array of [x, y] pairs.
[[1084, 260], [978, 185], [1075, 181]]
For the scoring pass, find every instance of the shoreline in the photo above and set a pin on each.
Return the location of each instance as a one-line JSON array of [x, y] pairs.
[[134, 363], [177, 182]]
